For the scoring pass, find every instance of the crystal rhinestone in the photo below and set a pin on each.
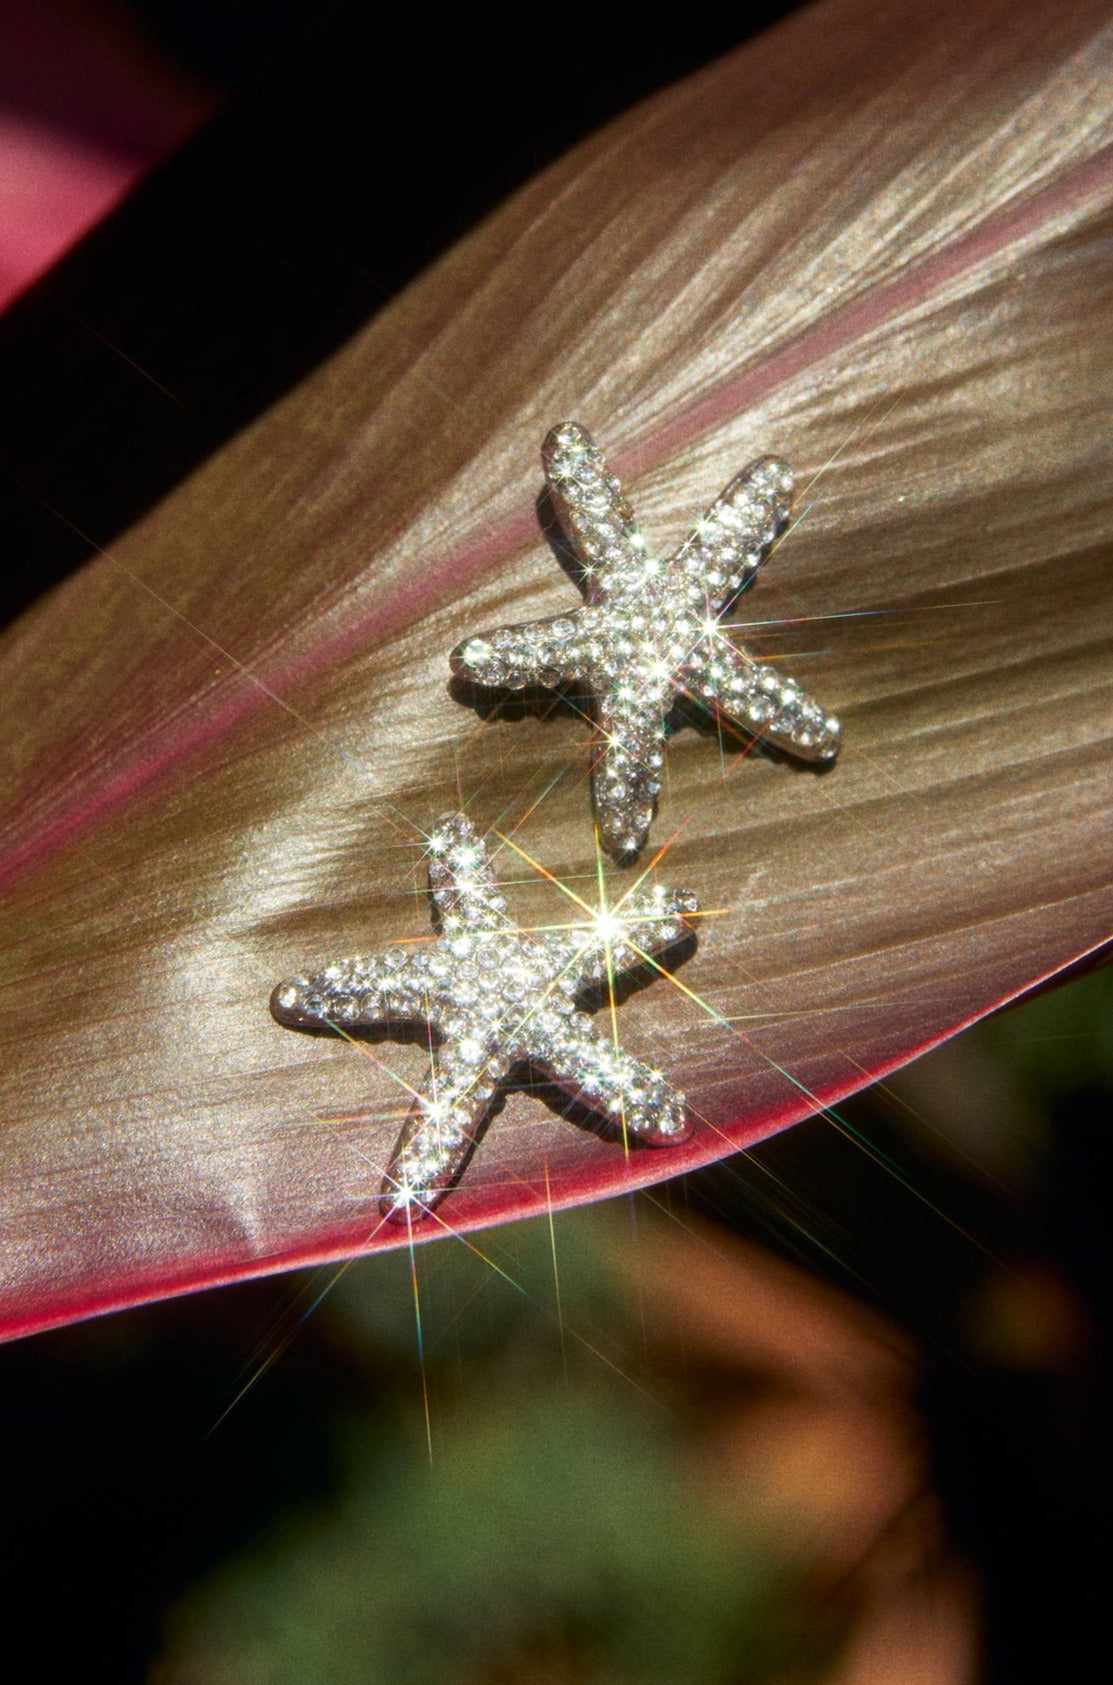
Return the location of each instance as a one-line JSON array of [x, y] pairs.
[[525, 1009], [636, 640]]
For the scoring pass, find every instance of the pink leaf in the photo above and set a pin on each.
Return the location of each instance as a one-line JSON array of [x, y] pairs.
[[875, 243]]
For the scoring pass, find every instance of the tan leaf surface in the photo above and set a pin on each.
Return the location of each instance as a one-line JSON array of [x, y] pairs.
[[876, 243]]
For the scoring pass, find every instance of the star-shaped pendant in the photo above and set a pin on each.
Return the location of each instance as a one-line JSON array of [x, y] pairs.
[[495, 995], [649, 629]]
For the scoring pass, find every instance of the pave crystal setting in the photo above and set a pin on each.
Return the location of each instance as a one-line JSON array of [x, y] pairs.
[[649, 629], [496, 995]]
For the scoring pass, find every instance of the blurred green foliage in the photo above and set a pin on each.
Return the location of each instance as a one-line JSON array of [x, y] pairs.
[[537, 1523], [1055, 1043]]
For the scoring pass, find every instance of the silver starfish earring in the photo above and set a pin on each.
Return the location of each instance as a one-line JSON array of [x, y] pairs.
[[497, 995], [650, 628]]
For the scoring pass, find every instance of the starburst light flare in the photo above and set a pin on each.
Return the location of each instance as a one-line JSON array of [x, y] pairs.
[[497, 995], [650, 629]]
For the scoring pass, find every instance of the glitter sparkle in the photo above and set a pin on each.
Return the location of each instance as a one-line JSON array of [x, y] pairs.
[[496, 995], [649, 629]]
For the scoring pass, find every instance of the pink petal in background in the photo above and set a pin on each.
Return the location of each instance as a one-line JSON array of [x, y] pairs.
[[86, 108]]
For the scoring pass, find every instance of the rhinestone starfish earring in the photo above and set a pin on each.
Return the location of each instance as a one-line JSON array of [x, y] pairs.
[[650, 628], [497, 995]]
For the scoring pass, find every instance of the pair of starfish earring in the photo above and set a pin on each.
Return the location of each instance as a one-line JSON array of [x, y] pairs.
[[493, 994]]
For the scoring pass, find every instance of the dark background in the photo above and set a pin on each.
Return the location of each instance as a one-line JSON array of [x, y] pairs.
[[359, 141], [353, 145]]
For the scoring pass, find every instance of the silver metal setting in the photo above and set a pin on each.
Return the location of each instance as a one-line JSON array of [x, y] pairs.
[[651, 628], [495, 995]]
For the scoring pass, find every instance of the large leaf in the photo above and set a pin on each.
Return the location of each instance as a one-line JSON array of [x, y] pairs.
[[876, 243]]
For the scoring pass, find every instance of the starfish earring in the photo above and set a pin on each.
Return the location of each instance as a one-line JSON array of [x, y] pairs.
[[650, 628], [495, 996]]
